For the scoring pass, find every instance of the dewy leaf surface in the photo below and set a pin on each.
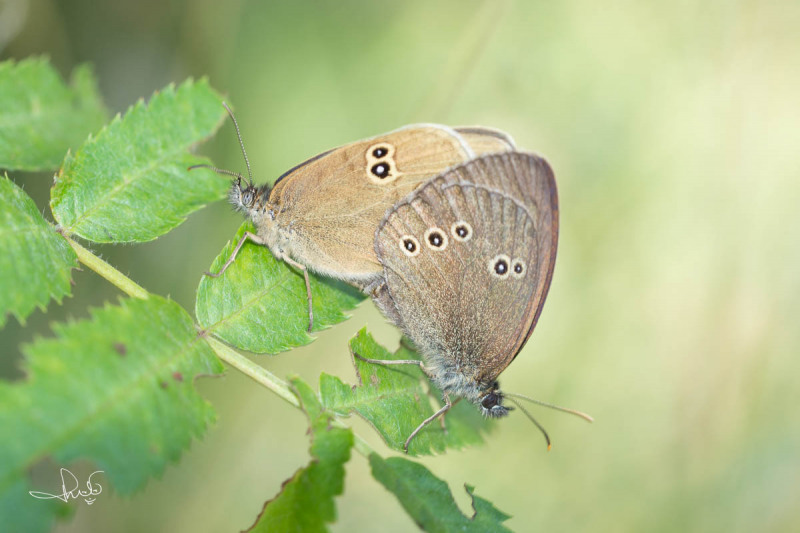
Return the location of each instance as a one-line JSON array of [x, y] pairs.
[[131, 182], [429, 501], [396, 399], [116, 389], [306, 501], [41, 117], [35, 261], [259, 304]]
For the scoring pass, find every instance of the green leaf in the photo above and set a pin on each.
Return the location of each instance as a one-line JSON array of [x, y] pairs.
[[117, 389], [35, 261], [396, 399], [429, 501], [40, 117], [305, 502], [259, 304], [131, 182]]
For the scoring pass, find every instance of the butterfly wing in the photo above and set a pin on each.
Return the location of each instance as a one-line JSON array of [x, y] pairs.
[[462, 302]]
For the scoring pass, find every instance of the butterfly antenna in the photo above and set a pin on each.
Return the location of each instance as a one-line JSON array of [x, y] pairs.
[[536, 423], [218, 170], [550, 405], [241, 143]]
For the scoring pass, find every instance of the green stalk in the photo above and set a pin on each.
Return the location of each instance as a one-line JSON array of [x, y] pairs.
[[117, 278], [256, 372]]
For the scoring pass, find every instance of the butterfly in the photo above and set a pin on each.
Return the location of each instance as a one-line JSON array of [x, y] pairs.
[[468, 258]]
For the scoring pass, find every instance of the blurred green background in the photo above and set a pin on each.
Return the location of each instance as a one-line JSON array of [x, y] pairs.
[[673, 129]]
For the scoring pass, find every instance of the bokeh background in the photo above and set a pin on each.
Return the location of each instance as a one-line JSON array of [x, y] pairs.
[[673, 128]]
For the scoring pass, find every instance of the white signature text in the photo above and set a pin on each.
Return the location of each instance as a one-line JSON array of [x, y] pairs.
[[70, 488]]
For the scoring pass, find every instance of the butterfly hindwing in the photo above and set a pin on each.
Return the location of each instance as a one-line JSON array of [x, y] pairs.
[[463, 299]]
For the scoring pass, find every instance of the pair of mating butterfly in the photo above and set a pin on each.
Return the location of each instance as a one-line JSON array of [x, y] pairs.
[[450, 230]]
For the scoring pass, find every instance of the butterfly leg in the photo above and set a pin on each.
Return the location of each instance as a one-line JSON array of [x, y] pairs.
[[446, 407], [247, 236], [302, 268], [388, 362], [441, 419]]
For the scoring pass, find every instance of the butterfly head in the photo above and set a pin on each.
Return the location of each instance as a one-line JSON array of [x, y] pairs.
[[491, 402], [248, 198]]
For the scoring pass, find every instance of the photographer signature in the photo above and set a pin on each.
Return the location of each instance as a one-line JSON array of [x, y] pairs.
[[68, 478]]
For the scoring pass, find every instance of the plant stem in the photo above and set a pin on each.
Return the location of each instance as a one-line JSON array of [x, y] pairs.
[[360, 444], [117, 278], [256, 372]]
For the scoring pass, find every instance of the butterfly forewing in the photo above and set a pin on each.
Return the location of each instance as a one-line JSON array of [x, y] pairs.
[[332, 204], [351, 179]]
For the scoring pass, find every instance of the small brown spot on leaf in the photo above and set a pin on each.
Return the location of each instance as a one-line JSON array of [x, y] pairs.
[[163, 384], [177, 376], [121, 348], [375, 380]]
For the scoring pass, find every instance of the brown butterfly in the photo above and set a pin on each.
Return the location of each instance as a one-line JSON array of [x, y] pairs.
[[467, 260], [321, 215]]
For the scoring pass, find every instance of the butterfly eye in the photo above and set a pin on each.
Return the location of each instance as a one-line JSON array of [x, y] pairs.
[[409, 245], [381, 170], [518, 268], [489, 401], [461, 231], [436, 239], [379, 152], [499, 266], [247, 198]]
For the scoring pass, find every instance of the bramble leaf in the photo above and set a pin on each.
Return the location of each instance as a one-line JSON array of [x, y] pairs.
[[259, 304], [116, 389], [429, 501], [35, 261], [305, 502], [396, 399], [131, 182], [40, 117]]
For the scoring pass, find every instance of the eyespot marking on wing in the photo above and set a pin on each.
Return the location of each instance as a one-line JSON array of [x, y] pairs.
[[436, 239], [499, 266], [410, 245], [461, 231], [518, 268], [381, 167]]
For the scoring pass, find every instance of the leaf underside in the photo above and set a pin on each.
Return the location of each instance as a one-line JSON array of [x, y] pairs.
[[396, 399], [306, 500], [116, 389], [36, 262], [131, 182], [259, 304], [41, 117], [428, 500]]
